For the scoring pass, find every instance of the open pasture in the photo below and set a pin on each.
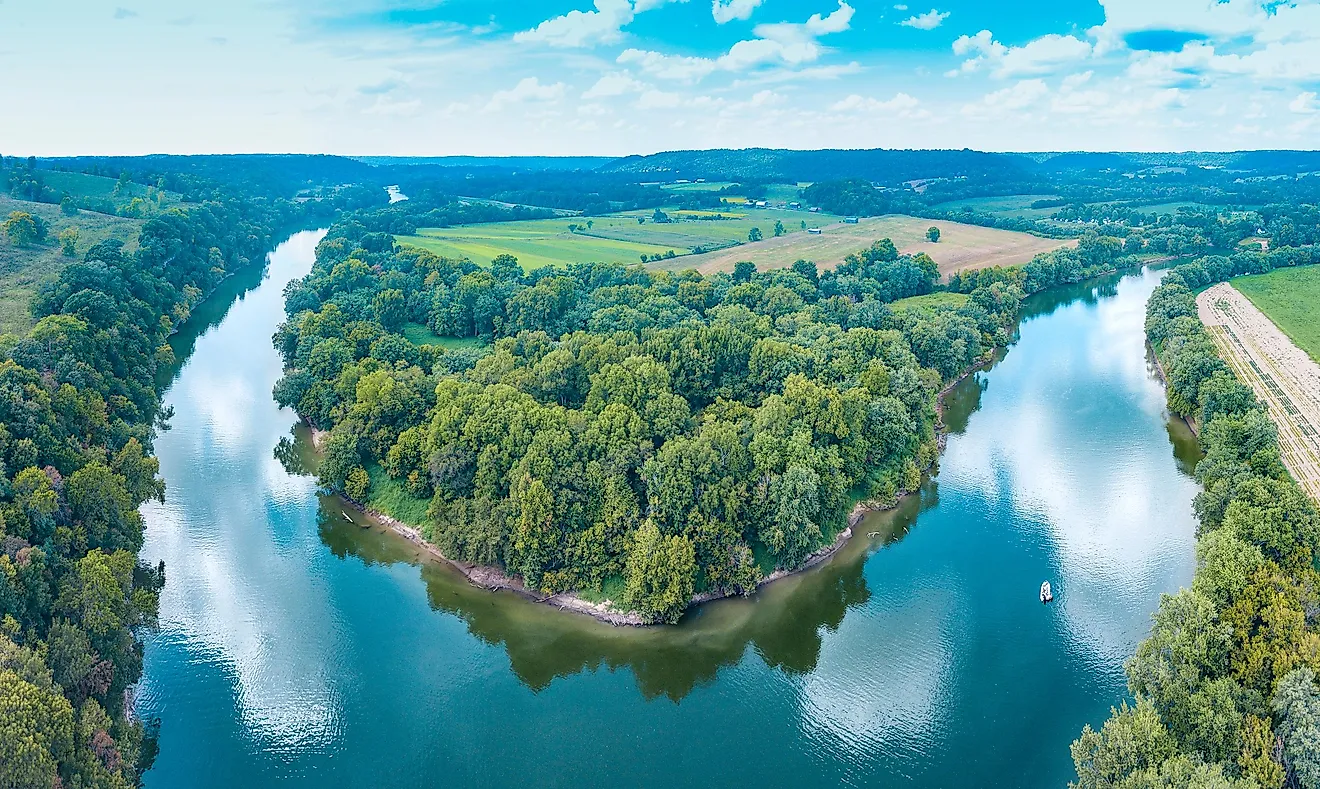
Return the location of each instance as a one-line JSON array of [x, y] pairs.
[[23, 269], [617, 238], [960, 246], [1008, 206]]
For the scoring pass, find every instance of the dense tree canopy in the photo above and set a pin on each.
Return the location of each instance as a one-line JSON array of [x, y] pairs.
[[662, 432]]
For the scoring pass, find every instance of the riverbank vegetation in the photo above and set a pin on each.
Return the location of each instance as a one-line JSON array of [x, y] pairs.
[[1225, 685], [80, 403], [675, 432]]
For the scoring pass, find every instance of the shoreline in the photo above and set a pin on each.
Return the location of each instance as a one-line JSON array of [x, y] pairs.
[[495, 579]]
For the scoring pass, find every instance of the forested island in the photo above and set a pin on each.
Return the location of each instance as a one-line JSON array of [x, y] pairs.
[[638, 435]]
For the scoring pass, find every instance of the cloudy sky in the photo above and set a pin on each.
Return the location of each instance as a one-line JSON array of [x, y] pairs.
[[486, 77]]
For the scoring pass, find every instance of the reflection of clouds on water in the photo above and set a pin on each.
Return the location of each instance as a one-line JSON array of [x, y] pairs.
[[884, 680], [1080, 464], [236, 540]]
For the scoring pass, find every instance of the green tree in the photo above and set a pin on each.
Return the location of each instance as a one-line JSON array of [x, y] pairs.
[[779, 228], [754, 235], [391, 308], [37, 727], [357, 485], [1132, 740], [659, 574], [68, 207], [743, 271], [69, 242], [933, 235], [23, 228], [1297, 707]]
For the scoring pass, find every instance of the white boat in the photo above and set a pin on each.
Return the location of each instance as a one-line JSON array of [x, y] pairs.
[[1046, 594]]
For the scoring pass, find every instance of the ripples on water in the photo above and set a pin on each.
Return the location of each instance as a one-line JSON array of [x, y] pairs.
[[297, 647]]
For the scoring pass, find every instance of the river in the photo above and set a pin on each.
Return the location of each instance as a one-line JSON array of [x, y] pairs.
[[298, 647]]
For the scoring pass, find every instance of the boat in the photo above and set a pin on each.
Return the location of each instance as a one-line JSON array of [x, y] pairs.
[[1046, 594]]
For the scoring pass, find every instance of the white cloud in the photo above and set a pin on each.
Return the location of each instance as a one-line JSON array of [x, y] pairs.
[[529, 90], [680, 68], [1074, 81], [1304, 104], [614, 84], [588, 28], [1040, 56], [901, 104], [838, 21], [1018, 97], [783, 44], [582, 28], [658, 100], [729, 10], [927, 21]]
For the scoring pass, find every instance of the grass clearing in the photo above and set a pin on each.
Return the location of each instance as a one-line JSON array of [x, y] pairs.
[[388, 495], [960, 246], [23, 269], [1291, 298], [1011, 205], [940, 299], [418, 334]]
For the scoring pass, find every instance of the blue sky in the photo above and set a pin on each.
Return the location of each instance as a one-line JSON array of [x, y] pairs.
[[437, 77]]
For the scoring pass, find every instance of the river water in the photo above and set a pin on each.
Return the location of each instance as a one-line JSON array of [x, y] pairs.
[[299, 648]]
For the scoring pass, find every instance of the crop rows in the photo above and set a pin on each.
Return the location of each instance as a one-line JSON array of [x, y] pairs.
[[1283, 376]]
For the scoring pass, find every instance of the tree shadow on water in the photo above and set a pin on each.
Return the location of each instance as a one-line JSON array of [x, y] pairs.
[[785, 622]]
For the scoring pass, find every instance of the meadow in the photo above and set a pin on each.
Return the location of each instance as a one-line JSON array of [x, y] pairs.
[[617, 238], [960, 246], [1291, 298], [1010, 206], [23, 269]]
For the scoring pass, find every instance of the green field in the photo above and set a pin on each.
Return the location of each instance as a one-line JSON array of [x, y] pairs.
[[940, 299], [1012, 205], [617, 238], [23, 269], [1291, 298]]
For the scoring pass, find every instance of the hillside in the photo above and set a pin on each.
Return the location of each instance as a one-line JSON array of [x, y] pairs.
[[785, 166], [24, 268]]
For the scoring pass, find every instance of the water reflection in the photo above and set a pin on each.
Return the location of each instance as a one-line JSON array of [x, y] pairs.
[[784, 623]]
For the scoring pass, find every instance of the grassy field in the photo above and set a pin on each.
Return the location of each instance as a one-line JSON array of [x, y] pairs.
[[930, 300], [1291, 298], [618, 238], [960, 246], [23, 269], [1012, 205]]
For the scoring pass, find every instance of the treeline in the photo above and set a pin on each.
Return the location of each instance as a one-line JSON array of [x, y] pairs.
[[1225, 684], [642, 435], [586, 192], [80, 397], [856, 197], [429, 209]]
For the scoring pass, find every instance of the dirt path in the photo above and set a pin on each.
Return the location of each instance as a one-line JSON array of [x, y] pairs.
[[1283, 376]]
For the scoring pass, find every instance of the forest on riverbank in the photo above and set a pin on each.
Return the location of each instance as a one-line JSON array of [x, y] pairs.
[[80, 404], [1225, 684]]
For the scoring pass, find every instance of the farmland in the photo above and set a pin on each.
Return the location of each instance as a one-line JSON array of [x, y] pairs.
[[618, 238], [1010, 206], [960, 246], [22, 269], [1289, 296], [1283, 377]]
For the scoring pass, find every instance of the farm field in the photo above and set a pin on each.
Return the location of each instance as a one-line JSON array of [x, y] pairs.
[[23, 269], [617, 238], [1012, 205], [1283, 376], [1291, 298], [960, 246], [940, 299]]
